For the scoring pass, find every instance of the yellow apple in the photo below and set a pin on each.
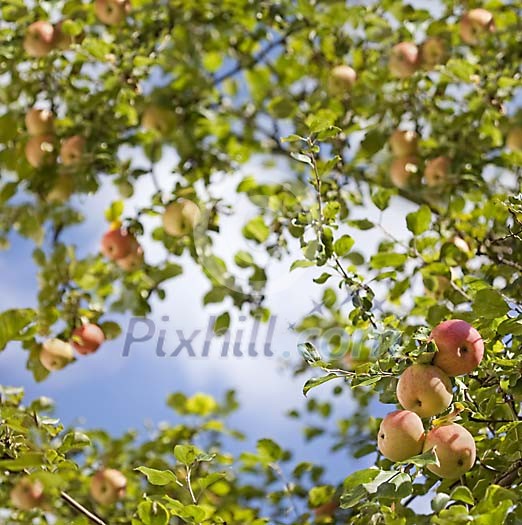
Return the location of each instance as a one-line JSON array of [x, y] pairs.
[[460, 347], [39, 39], [342, 79], [62, 189], [27, 494], [40, 150], [56, 354], [108, 486], [514, 139], [72, 150], [475, 24], [181, 217], [157, 119], [455, 449], [433, 52], [401, 435], [39, 121], [403, 142], [436, 171], [425, 390], [403, 169], [404, 60], [111, 12]]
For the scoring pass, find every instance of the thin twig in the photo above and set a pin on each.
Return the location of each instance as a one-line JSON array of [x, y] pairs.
[[81, 509]]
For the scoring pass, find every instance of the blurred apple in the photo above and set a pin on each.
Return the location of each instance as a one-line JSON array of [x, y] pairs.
[[40, 151], [157, 119], [116, 244], [404, 60], [39, 39], [111, 12], [475, 24], [433, 52], [39, 121], [342, 79], [62, 189], [403, 169], [86, 339], [436, 171], [27, 494], [403, 142], [56, 354], [180, 217], [108, 486], [72, 150]]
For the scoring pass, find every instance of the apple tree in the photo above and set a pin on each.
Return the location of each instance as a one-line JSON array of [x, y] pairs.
[[379, 113]]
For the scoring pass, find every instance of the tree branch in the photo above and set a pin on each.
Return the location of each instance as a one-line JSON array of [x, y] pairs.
[[81, 509]]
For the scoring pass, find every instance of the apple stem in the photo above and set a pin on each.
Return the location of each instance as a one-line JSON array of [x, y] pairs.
[[81, 509]]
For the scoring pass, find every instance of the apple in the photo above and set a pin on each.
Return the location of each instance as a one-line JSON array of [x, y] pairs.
[[433, 52], [108, 486], [72, 150], [436, 171], [342, 79], [134, 260], [40, 151], [401, 435], [180, 217], [404, 60], [455, 449], [514, 139], [157, 119], [116, 244], [425, 390], [403, 169], [56, 354], [86, 339], [403, 142], [62, 189], [111, 12], [460, 347], [39, 39], [326, 509], [39, 121], [475, 24], [27, 494]]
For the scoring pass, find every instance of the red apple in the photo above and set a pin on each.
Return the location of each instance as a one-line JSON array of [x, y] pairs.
[[39, 121], [72, 150], [401, 435], [436, 171], [108, 486], [460, 347], [404, 60], [403, 169], [86, 339], [403, 142], [134, 260], [475, 24], [39, 39], [27, 494], [111, 12], [116, 244], [40, 151]]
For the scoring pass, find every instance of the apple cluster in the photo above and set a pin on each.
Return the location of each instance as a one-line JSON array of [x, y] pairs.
[[425, 391], [107, 486], [120, 246], [55, 354]]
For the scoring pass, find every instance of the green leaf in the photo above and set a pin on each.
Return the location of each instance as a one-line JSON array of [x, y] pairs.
[[343, 245], [462, 493], [153, 513], [158, 477], [27, 460], [269, 450], [384, 260], [186, 454], [256, 230], [419, 221], [12, 324], [316, 381], [489, 303], [222, 323], [114, 211], [422, 460]]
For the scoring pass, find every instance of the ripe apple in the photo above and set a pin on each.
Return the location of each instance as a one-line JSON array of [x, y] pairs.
[[425, 390], [180, 217], [475, 24], [39, 39], [40, 151], [404, 60], [72, 150], [460, 347], [514, 139], [39, 121], [403, 142], [433, 52], [403, 169], [401, 435], [108, 486], [111, 12], [342, 79], [56, 354], [86, 339], [134, 260], [116, 244], [27, 494], [157, 119], [62, 189], [455, 449], [436, 171]]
